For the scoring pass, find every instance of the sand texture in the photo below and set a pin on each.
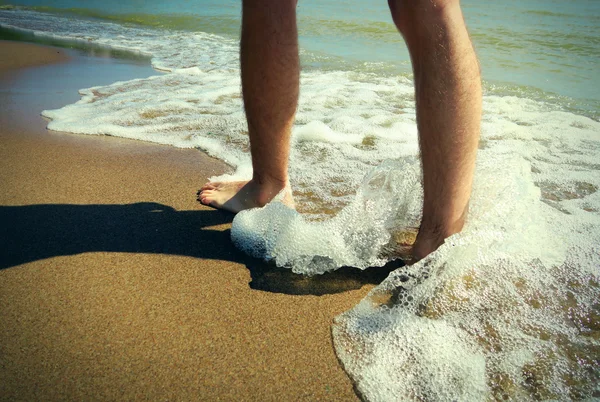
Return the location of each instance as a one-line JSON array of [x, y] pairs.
[[115, 284]]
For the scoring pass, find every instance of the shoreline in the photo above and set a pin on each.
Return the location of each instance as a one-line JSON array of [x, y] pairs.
[[117, 284]]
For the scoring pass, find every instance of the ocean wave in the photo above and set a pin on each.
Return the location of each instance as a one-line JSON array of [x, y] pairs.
[[186, 22]]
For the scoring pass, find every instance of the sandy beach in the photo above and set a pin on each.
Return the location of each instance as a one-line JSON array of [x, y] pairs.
[[115, 284]]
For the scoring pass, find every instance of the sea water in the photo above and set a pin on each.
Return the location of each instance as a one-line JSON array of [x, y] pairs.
[[507, 309]]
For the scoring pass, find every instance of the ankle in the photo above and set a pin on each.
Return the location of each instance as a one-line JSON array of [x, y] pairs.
[[268, 188], [432, 234], [441, 228]]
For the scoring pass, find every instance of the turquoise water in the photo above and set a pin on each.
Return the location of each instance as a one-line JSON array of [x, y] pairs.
[[509, 309], [524, 46]]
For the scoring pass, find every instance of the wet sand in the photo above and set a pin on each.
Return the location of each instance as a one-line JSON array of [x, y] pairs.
[[115, 284]]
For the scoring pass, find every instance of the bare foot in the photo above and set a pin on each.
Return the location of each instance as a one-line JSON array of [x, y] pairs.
[[236, 196]]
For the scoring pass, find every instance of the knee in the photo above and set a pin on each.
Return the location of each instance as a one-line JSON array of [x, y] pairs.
[[409, 14]]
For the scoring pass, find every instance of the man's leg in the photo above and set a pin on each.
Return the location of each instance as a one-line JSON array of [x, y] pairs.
[[270, 81], [448, 96]]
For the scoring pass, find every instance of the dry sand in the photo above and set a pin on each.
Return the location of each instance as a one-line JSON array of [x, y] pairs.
[[115, 284]]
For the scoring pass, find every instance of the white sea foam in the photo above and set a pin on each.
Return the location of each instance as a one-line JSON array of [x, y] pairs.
[[508, 308], [361, 235], [337, 139], [169, 49]]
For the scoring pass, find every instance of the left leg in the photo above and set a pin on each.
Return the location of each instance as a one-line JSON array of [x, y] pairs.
[[270, 84]]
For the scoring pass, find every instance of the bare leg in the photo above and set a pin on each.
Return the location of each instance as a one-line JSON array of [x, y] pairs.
[[270, 85], [448, 97]]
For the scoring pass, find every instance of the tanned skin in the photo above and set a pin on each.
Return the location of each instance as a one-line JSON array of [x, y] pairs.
[[270, 86], [448, 97]]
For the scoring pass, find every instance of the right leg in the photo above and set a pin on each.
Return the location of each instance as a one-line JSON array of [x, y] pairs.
[[270, 85], [448, 97]]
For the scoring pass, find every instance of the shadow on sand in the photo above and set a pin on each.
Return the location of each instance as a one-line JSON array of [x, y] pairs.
[[35, 232]]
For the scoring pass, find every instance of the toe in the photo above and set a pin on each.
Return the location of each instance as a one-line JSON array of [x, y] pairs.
[[208, 186], [205, 197]]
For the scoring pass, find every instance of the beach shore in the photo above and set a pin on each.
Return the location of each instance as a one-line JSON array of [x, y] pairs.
[[116, 284]]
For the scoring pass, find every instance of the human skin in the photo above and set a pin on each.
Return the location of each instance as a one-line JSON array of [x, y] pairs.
[[448, 106], [448, 97], [270, 84]]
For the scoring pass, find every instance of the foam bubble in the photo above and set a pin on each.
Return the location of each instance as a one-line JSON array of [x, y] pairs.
[[319, 131], [361, 235], [438, 363], [513, 293], [195, 108]]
